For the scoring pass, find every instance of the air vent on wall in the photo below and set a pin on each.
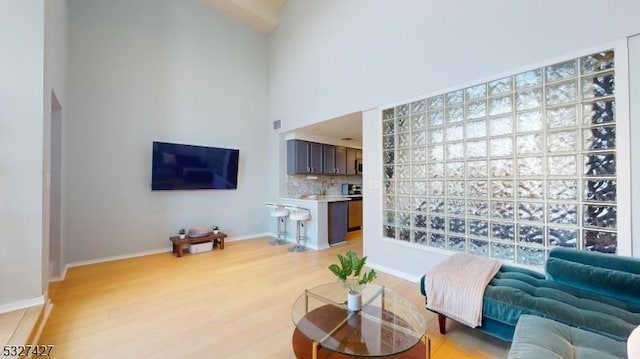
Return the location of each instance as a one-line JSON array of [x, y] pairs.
[[276, 124]]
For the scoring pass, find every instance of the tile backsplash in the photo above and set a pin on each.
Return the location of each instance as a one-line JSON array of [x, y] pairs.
[[298, 185]]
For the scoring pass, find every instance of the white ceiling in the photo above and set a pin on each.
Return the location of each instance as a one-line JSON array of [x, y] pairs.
[[259, 14], [338, 129]]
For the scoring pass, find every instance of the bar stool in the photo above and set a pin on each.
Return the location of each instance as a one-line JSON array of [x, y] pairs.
[[300, 215], [280, 214]]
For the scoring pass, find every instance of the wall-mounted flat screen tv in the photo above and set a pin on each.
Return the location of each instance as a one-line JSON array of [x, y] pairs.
[[176, 166]]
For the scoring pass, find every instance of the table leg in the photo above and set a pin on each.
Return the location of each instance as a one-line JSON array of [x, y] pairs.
[[314, 350], [221, 243], [179, 249], [427, 346]]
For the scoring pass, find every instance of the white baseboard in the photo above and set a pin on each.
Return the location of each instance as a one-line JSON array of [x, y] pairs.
[[21, 304], [397, 273]]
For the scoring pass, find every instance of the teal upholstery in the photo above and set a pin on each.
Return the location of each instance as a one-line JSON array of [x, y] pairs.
[[537, 337]]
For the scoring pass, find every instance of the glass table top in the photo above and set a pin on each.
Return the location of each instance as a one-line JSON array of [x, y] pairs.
[[387, 324]]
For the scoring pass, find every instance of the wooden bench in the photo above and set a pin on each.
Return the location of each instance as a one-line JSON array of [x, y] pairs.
[[179, 242]]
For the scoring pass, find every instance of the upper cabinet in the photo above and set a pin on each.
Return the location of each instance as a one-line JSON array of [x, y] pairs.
[[304, 157], [351, 161], [335, 160]]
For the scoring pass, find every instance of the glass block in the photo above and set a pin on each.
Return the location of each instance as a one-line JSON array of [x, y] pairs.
[[436, 188], [560, 237], [559, 117], [479, 228], [477, 149], [455, 243], [388, 128], [435, 103], [503, 251], [436, 135], [419, 121], [599, 112], [502, 168], [457, 225], [599, 138], [478, 208], [597, 62], [563, 189], [455, 188], [436, 170], [502, 189], [501, 86], [419, 204], [478, 189], [503, 231], [437, 240], [402, 110], [476, 109], [389, 231], [529, 99], [606, 242], [562, 165], [561, 93], [531, 211], [420, 237], [502, 210], [600, 164], [561, 71], [420, 220], [529, 78], [404, 219], [478, 247], [389, 202], [418, 154], [531, 189], [435, 118], [403, 156], [455, 151], [436, 223], [403, 172], [389, 217], [388, 142], [531, 256], [475, 92], [403, 188], [501, 147], [501, 126], [529, 121], [436, 205], [419, 188], [403, 124], [389, 172], [601, 190], [598, 86], [455, 113], [404, 140], [389, 187], [388, 114], [476, 129], [529, 144], [456, 207], [455, 170], [418, 138], [477, 169], [404, 234], [388, 157], [419, 171], [418, 106], [600, 216], [562, 213], [564, 141], [455, 97], [531, 234], [455, 133], [435, 153], [529, 166], [500, 105]]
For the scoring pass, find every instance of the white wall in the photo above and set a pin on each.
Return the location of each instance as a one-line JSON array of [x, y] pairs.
[[332, 57], [21, 116], [634, 94], [166, 70]]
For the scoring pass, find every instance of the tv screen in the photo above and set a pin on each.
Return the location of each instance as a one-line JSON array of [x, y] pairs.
[[177, 166]]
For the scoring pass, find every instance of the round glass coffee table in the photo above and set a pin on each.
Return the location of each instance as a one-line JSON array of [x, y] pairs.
[[388, 325]]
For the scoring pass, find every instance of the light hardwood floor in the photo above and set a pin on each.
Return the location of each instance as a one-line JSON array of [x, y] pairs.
[[232, 303]]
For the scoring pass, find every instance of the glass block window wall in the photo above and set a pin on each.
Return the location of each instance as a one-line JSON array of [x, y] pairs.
[[507, 168]]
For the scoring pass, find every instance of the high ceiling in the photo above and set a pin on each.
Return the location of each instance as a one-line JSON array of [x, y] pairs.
[[259, 14]]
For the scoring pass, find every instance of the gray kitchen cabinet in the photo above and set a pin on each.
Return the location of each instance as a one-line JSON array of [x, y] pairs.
[[337, 221], [341, 160], [304, 157], [351, 161], [335, 160]]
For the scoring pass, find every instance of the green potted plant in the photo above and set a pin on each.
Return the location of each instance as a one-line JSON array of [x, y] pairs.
[[182, 233], [349, 272], [215, 229]]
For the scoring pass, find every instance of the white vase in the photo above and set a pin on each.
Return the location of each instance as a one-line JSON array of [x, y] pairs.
[[215, 231], [354, 301], [182, 236]]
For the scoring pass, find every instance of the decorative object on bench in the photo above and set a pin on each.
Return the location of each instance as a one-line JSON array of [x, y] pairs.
[[593, 291], [182, 233], [198, 231], [349, 274], [215, 229]]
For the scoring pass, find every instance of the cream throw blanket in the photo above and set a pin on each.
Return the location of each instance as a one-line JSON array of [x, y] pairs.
[[455, 287]]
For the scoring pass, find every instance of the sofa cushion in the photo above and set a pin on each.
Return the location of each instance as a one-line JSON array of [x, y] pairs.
[[537, 337]]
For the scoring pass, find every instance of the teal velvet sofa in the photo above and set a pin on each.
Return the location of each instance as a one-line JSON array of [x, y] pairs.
[[596, 292]]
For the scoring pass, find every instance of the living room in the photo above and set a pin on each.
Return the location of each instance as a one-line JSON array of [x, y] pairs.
[[128, 73]]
